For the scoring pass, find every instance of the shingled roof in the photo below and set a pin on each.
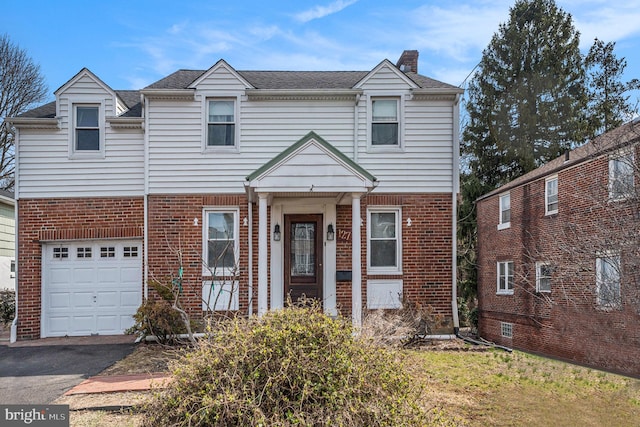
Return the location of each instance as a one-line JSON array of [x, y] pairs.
[[286, 80], [181, 79], [605, 143]]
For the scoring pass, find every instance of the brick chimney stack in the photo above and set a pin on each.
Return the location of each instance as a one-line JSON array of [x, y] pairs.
[[408, 61]]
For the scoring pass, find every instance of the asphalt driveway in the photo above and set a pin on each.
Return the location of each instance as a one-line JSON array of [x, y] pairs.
[[38, 374]]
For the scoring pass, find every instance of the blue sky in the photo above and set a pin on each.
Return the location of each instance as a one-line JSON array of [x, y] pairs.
[[130, 44]]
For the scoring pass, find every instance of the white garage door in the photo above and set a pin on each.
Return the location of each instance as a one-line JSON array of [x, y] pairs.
[[91, 287]]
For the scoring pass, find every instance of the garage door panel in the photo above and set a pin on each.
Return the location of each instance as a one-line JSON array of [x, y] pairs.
[[130, 299], [85, 293], [59, 300], [107, 299]]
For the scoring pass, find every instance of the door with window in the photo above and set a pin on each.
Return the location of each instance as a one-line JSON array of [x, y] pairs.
[[303, 257]]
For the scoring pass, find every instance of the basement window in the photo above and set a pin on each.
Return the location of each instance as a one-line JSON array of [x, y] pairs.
[[506, 329]]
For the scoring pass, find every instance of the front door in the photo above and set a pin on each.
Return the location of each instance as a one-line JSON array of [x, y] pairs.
[[303, 257]]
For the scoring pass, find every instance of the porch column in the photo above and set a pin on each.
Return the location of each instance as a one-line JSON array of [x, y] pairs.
[[356, 269], [263, 235]]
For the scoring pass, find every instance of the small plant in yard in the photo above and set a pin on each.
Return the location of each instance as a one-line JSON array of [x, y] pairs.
[[7, 306], [294, 366]]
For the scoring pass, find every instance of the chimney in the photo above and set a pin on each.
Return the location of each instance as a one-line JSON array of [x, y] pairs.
[[408, 61]]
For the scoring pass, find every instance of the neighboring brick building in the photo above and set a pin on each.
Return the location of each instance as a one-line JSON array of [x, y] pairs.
[[337, 185], [558, 261]]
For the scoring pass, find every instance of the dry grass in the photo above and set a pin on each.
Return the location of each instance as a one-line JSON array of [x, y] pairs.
[[462, 387]]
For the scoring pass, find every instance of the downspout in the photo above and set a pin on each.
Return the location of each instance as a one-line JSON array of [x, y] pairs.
[[250, 241], [356, 125], [454, 215], [145, 227], [13, 337]]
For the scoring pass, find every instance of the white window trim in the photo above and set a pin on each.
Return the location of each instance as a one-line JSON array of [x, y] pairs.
[[506, 329], [385, 270], [222, 96], [547, 211], [401, 124], [86, 154], [599, 280], [205, 238], [504, 291], [503, 225], [619, 155], [539, 266]]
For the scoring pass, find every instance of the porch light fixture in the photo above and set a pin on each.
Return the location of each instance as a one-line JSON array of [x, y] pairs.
[[330, 233], [276, 233]]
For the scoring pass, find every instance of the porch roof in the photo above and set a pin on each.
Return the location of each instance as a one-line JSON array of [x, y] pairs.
[[310, 166]]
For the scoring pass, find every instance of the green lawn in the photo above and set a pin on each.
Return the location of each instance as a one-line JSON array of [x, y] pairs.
[[496, 388]]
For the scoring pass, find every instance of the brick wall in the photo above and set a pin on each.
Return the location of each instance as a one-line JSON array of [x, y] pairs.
[[567, 322], [426, 250], [64, 219]]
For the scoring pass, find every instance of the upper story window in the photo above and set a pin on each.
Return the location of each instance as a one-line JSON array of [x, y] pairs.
[[385, 122], [87, 128], [384, 251], [221, 123], [608, 281], [551, 195], [621, 176], [505, 277], [505, 211], [543, 276], [221, 237]]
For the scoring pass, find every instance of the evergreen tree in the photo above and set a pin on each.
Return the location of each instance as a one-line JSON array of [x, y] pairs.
[[609, 107], [527, 102], [526, 106]]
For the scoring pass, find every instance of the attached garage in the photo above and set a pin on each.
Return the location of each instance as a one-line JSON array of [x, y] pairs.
[[90, 287]]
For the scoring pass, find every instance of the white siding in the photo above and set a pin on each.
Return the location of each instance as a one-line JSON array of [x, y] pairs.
[[385, 79], [220, 79]]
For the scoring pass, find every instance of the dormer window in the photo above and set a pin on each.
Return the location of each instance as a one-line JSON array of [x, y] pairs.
[[385, 122], [87, 128], [221, 123]]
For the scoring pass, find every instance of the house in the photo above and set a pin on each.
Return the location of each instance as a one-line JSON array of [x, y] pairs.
[[251, 186], [558, 256], [7, 240]]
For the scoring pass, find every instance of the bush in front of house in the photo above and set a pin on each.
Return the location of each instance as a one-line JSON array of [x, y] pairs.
[[7, 306], [294, 366]]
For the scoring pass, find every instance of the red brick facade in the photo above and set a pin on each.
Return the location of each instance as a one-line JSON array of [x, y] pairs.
[[175, 224], [42, 220], [568, 322]]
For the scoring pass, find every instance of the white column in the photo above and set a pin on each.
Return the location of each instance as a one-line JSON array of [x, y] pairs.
[[263, 235], [356, 270]]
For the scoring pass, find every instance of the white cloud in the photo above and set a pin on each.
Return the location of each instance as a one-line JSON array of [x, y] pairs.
[[322, 11]]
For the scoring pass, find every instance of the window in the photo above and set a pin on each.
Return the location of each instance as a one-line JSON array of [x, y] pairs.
[[608, 281], [221, 127], [621, 171], [384, 240], [505, 211], [506, 329], [60, 253], [221, 235], [551, 195], [108, 252], [87, 128], [505, 277], [83, 252], [543, 276], [385, 129], [130, 251]]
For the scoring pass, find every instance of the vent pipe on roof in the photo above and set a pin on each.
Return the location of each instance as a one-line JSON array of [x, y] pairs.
[[566, 156], [408, 61]]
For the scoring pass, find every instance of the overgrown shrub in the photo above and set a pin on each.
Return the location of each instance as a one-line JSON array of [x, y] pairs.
[[7, 306], [293, 366], [157, 318]]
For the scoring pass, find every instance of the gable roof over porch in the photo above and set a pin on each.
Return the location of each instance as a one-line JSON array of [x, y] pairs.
[[311, 165]]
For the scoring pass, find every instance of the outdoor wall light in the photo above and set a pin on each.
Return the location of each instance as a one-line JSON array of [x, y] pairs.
[[330, 233], [276, 233]]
